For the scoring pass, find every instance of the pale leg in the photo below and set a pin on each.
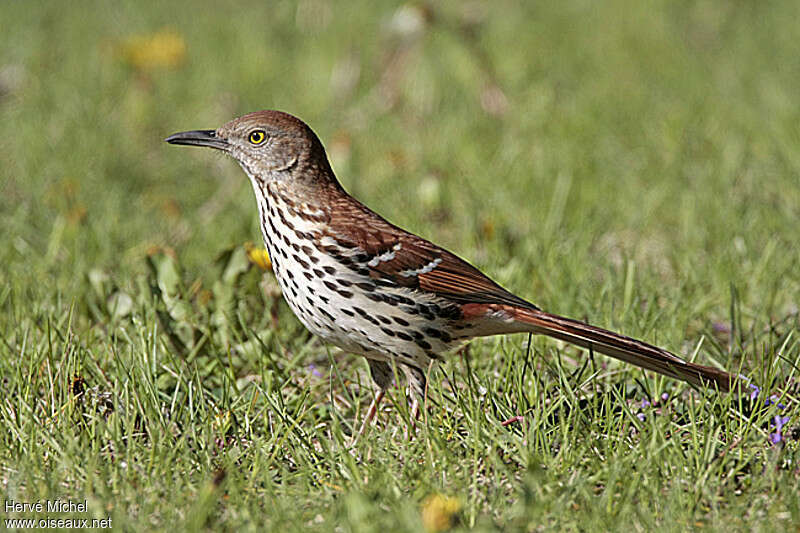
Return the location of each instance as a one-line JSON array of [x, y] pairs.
[[373, 409]]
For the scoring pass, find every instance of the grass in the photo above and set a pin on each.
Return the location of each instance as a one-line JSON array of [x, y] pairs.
[[631, 163]]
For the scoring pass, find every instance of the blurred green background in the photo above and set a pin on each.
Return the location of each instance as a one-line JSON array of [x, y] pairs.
[[630, 129], [632, 163]]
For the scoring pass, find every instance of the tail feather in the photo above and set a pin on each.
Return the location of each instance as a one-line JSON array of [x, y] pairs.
[[624, 348]]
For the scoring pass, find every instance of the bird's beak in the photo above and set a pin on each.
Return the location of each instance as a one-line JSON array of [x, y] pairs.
[[199, 138]]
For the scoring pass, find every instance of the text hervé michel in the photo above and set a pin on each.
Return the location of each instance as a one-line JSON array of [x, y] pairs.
[[46, 506]]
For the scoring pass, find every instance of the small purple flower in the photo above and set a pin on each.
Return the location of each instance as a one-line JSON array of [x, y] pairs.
[[721, 327], [643, 405], [774, 400], [756, 391], [314, 372], [778, 422], [664, 396]]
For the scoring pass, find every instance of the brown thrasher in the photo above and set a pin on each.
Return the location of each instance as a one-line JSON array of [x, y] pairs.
[[371, 288]]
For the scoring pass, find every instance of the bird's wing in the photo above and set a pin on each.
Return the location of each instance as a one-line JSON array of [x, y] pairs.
[[404, 259]]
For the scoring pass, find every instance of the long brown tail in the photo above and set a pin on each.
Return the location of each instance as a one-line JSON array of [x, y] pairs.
[[624, 348]]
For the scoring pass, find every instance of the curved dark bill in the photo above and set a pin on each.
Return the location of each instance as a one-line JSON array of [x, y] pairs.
[[198, 138]]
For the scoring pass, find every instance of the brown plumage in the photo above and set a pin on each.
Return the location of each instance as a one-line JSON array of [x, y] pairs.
[[375, 289], [456, 280]]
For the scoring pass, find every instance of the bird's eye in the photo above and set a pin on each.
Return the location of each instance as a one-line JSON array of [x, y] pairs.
[[257, 136]]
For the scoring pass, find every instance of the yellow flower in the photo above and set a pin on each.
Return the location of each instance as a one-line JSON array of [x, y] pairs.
[[258, 256], [162, 49], [439, 512]]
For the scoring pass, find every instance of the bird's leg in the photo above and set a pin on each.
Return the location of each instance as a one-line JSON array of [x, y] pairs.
[[370, 416], [417, 389], [412, 427], [382, 375]]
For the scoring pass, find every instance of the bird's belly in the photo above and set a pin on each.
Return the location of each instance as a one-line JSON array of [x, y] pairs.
[[351, 320], [354, 313]]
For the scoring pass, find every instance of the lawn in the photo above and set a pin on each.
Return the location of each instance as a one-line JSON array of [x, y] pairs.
[[633, 164]]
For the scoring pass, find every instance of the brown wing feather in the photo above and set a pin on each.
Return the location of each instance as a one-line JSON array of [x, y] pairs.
[[441, 272]]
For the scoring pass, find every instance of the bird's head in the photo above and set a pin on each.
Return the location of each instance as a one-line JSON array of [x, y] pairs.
[[269, 145]]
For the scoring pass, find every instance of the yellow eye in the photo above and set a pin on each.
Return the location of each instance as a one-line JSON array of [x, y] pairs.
[[257, 136]]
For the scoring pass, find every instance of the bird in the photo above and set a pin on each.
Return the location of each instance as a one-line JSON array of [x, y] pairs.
[[373, 289]]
